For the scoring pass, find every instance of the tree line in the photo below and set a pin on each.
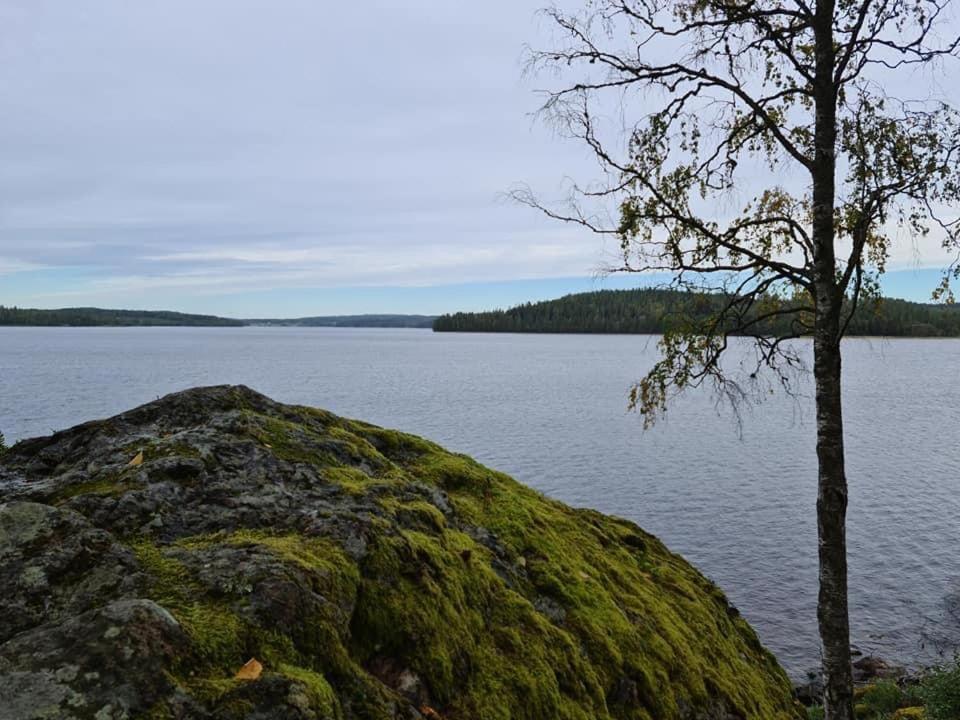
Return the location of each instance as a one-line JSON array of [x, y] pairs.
[[656, 311], [89, 317]]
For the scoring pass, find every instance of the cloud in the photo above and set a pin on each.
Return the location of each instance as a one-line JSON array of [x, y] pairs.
[[228, 270], [241, 144], [231, 143], [8, 267]]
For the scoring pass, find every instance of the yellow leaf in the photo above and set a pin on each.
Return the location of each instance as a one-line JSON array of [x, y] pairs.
[[250, 671], [137, 460]]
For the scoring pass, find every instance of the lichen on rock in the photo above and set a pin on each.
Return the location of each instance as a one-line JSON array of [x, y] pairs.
[[371, 573]]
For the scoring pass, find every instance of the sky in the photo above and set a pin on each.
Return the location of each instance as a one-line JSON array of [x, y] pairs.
[[288, 158]]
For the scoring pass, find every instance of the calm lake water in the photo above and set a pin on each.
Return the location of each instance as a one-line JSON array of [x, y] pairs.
[[551, 411]]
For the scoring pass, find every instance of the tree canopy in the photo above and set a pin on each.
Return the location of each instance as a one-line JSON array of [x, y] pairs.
[[714, 171], [656, 311]]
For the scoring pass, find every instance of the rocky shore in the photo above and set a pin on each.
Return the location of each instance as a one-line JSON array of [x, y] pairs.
[[867, 671], [217, 555]]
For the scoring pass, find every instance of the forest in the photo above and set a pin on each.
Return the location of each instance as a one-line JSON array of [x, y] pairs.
[[88, 317], [655, 311]]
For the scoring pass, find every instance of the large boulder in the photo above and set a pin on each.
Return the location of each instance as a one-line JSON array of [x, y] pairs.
[[146, 558]]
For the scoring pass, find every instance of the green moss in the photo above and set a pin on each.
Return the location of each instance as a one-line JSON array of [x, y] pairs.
[[216, 633], [171, 447], [307, 442], [309, 553], [321, 640], [456, 472], [332, 572], [911, 713], [158, 711], [637, 613], [211, 690], [512, 607], [106, 487], [353, 480], [358, 446], [287, 440], [222, 641], [481, 648], [316, 416], [417, 513], [391, 443], [162, 446], [230, 702], [319, 692], [628, 612]]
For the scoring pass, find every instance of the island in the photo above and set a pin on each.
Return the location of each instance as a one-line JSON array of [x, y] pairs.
[[654, 311]]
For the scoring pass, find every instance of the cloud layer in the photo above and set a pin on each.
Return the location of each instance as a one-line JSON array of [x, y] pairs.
[[160, 153], [224, 145]]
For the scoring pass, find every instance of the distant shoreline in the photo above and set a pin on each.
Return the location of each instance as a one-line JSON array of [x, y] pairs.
[[99, 317], [878, 338], [654, 311], [241, 326], [642, 311]]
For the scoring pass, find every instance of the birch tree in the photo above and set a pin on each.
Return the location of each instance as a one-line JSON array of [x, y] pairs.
[[801, 107]]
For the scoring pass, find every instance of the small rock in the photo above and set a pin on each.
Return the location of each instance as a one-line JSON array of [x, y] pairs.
[[409, 683], [810, 692], [551, 608], [874, 668]]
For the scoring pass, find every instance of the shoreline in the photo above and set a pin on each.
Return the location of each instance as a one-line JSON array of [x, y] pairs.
[[259, 326]]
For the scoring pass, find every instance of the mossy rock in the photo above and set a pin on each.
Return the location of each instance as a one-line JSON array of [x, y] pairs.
[[371, 573], [910, 713]]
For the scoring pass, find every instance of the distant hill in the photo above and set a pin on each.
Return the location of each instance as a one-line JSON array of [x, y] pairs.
[[87, 317], [358, 321], [94, 317], [653, 311]]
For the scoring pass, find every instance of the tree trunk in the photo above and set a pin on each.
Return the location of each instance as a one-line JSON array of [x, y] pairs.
[[832, 612]]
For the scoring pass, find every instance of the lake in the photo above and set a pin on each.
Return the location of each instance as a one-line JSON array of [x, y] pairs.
[[551, 411]]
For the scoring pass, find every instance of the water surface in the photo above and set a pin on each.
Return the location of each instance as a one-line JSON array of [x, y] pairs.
[[551, 411]]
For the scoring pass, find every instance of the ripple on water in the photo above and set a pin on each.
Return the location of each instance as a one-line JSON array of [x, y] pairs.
[[551, 410]]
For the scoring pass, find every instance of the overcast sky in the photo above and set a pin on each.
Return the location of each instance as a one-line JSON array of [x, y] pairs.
[[282, 157]]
